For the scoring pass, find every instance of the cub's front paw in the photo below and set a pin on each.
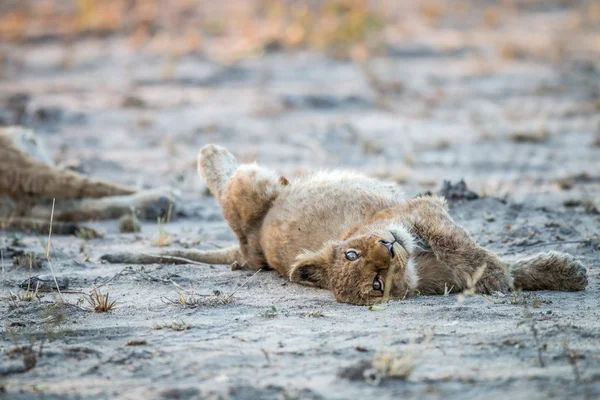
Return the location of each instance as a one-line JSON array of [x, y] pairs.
[[495, 279], [488, 285], [572, 276]]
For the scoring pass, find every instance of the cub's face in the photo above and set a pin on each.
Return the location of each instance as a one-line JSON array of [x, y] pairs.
[[362, 269]]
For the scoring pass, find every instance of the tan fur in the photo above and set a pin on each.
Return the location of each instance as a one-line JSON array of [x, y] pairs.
[[358, 237], [29, 181], [24, 177]]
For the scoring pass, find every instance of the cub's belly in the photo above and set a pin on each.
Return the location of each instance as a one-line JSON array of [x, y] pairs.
[[305, 218]]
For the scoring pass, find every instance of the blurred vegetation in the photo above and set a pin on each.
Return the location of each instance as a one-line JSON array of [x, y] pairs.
[[185, 26], [229, 30]]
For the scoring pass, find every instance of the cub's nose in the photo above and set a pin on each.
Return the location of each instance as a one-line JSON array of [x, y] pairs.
[[389, 246]]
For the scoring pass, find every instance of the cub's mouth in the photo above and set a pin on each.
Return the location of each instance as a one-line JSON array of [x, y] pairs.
[[401, 236], [390, 245]]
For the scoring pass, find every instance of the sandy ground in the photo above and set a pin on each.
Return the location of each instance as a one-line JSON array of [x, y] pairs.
[[523, 129]]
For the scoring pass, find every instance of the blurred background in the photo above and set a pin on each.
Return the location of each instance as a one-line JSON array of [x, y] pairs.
[[505, 94]]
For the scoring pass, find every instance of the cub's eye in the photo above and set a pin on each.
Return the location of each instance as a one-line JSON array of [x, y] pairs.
[[377, 284], [352, 255]]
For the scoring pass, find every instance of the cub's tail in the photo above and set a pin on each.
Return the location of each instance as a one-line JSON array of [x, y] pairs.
[[184, 256], [549, 271]]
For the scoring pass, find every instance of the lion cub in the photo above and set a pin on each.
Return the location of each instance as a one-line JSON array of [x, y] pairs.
[[356, 236], [29, 179]]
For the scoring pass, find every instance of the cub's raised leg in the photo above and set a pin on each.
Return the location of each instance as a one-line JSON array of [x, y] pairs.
[[245, 193]]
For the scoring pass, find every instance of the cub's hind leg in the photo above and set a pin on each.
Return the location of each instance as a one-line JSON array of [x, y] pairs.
[[549, 271], [245, 193], [216, 165]]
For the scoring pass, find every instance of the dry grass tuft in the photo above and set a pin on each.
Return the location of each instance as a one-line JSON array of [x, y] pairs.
[[29, 294], [572, 356], [189, 299], [137, 342], [433, 11], [393, 366], [447, 290], [29, 356], [388, 364], [133, 101], [174, 325], [382, 89], [566, 183], [163, 238], [512, 51], [372, 147], [29, 260], [491, 17], [88, 234], [316, 314], [99, 302], [529, 319], [472, 281], [591, 207], [539, 135], [62, 299], [270, 313], [129, 223], [397, 173]]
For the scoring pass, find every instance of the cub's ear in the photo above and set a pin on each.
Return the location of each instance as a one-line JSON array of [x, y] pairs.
[[312, 268], [310, 274]]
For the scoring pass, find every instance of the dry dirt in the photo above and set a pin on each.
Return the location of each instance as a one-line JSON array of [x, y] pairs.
[[452, 102]]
